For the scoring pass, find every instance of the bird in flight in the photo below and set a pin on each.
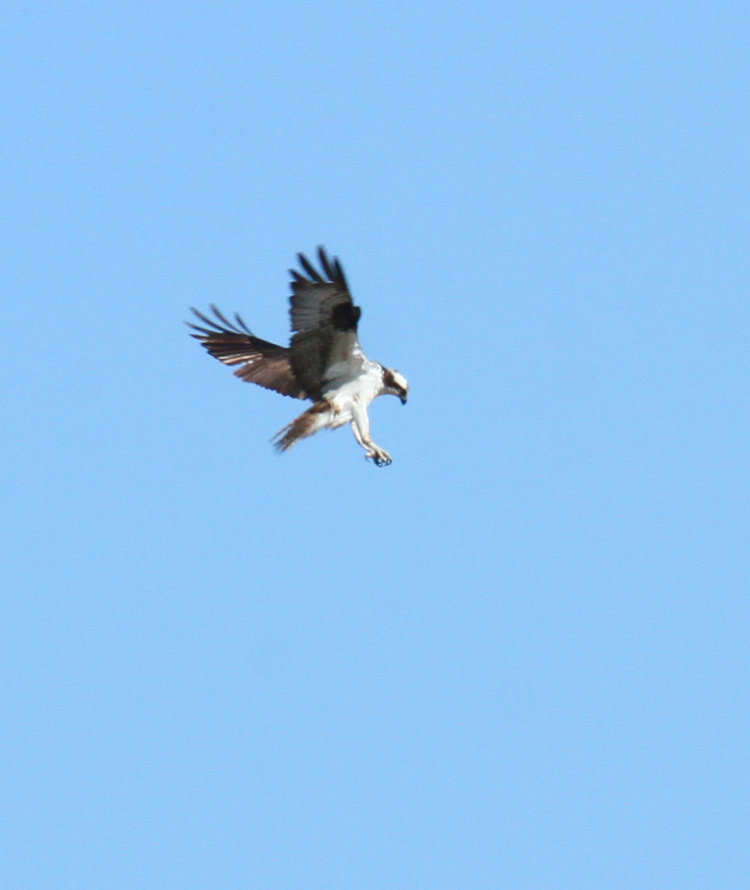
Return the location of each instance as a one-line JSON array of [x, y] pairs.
[[324, 362]]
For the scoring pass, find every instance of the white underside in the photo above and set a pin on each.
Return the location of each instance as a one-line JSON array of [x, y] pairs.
[[352, 382]]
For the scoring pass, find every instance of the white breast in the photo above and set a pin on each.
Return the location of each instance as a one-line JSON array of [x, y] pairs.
[[362, 384]]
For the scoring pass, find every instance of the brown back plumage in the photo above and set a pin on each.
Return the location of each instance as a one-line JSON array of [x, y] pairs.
[[321, 309]]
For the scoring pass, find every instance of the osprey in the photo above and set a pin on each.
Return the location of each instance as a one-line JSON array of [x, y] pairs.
[[323, 363]]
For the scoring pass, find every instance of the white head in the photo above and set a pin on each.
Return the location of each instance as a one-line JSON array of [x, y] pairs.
[[395, 384]]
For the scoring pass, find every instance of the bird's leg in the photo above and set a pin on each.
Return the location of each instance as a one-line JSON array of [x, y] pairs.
[[361, 430]]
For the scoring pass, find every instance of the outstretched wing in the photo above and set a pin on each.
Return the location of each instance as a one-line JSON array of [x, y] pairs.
[[259, 361], [324, 321]]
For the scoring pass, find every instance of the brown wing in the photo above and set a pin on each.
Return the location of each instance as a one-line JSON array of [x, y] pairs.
[[321, 309], [259, 361]]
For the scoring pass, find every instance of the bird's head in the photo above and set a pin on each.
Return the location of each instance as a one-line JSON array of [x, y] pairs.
[[395, 384]]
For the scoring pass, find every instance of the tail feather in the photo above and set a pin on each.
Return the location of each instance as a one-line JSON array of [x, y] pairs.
[[314, 419]]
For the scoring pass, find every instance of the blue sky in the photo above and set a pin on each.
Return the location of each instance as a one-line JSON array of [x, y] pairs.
[[515, 658]]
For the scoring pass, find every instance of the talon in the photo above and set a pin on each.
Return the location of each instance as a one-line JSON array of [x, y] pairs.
[[379, 458]]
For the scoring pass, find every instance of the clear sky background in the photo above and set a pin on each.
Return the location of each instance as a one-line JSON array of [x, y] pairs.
[[517, 657]]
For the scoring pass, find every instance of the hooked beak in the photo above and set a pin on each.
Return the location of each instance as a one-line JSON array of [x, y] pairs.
[[403, 399]]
